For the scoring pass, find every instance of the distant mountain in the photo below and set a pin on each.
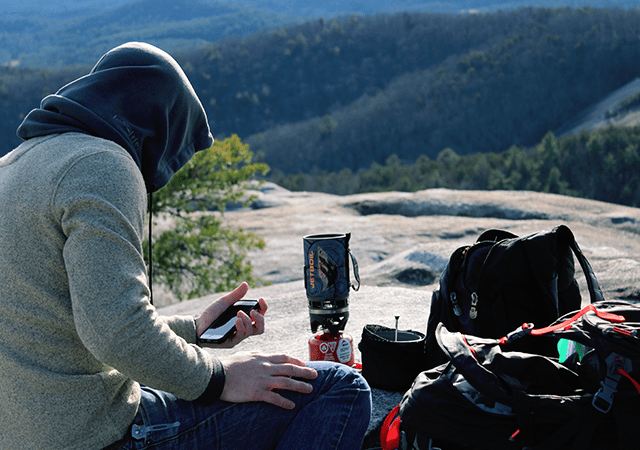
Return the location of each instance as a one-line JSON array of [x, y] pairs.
[[51, 8], [57, 33], [43, 40], [328, 95], [317, 8], [350, 91], [327, 8], [471, 83]]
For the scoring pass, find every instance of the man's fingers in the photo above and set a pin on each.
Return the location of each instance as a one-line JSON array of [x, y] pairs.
[[290, 384], [214, 310], [255, 377], [285, 359], [243, 325], [236, 294], [278, 400], [286, 370], [239, 292], [219, 306], [258, 322], [263, 306], [271, 395]]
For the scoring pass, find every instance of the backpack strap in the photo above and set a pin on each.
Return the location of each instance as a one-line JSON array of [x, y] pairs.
[[615, 318], [592, 282], [527, 328], [627, 376], [390, 432], [495, 235]]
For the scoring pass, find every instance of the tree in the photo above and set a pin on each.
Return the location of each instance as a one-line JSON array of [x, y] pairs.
[[201, 254]]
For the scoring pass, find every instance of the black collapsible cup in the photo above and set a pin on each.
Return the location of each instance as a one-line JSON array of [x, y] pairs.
[[389, 362]]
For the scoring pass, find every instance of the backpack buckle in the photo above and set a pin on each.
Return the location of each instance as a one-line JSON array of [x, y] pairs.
[[603, 399], [522, 330]]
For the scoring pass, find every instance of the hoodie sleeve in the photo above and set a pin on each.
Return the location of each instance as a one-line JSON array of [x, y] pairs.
[[183, 326], [101, 201]]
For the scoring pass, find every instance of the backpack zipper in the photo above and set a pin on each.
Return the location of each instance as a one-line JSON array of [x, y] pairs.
[[473, 312], [453, 298]]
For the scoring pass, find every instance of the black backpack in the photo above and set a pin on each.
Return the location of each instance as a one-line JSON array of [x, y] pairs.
[[489, 397], [502, 281]]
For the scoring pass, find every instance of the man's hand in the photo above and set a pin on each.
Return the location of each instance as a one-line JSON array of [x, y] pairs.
[[253, 377], [245, 325]]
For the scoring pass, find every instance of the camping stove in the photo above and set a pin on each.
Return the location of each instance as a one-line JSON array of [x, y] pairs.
[[327, 285]]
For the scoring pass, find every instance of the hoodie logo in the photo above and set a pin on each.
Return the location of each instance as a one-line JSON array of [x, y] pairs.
[[130, 133]]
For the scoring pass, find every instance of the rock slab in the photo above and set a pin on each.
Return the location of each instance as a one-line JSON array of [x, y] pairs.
[[402, 242]]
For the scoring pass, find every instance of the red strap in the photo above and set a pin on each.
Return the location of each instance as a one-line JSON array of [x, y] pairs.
[[390, 432], [473, 350], [603, 315], [623, 331], [625, 374]]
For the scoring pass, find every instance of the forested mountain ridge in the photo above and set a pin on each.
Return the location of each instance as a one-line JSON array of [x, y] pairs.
[[347, 92], [332, 7], [55, 33], [39, 41], [318, 8]]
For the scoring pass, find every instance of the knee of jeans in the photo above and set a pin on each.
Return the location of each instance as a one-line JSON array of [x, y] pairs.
[[340, 374], [358, 380], [344, 380], [363, 401], [352, 378]]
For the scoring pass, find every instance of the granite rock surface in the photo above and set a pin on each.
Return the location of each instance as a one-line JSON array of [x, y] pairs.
[[402, 242]]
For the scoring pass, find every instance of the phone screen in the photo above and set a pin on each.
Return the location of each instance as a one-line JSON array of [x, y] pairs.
[[224, 326]]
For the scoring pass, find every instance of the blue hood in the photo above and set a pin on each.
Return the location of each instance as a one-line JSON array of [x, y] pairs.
[[138, 97]]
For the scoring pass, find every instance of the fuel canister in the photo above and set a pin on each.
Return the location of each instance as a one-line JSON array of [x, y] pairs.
[[327, 347]]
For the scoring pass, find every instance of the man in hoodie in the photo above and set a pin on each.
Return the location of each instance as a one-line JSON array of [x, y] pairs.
[[86, 362]]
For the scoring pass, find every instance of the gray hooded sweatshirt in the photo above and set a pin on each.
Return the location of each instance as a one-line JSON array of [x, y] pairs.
[[78, 334]]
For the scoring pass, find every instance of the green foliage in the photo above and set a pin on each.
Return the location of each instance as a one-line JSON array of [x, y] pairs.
[[201, 254], [603, 165]]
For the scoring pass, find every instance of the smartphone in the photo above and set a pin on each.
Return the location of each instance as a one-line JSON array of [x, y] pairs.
[[224, 326]]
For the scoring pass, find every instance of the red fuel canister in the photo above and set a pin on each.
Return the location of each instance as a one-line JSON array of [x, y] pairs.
[[326, 347]]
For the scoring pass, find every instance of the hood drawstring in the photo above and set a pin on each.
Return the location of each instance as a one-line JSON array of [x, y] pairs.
[[150, 269]]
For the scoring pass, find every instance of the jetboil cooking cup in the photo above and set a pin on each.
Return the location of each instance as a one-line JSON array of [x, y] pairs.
[[326, 276]]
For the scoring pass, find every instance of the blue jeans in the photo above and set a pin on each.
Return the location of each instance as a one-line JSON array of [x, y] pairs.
[[334, 416]]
